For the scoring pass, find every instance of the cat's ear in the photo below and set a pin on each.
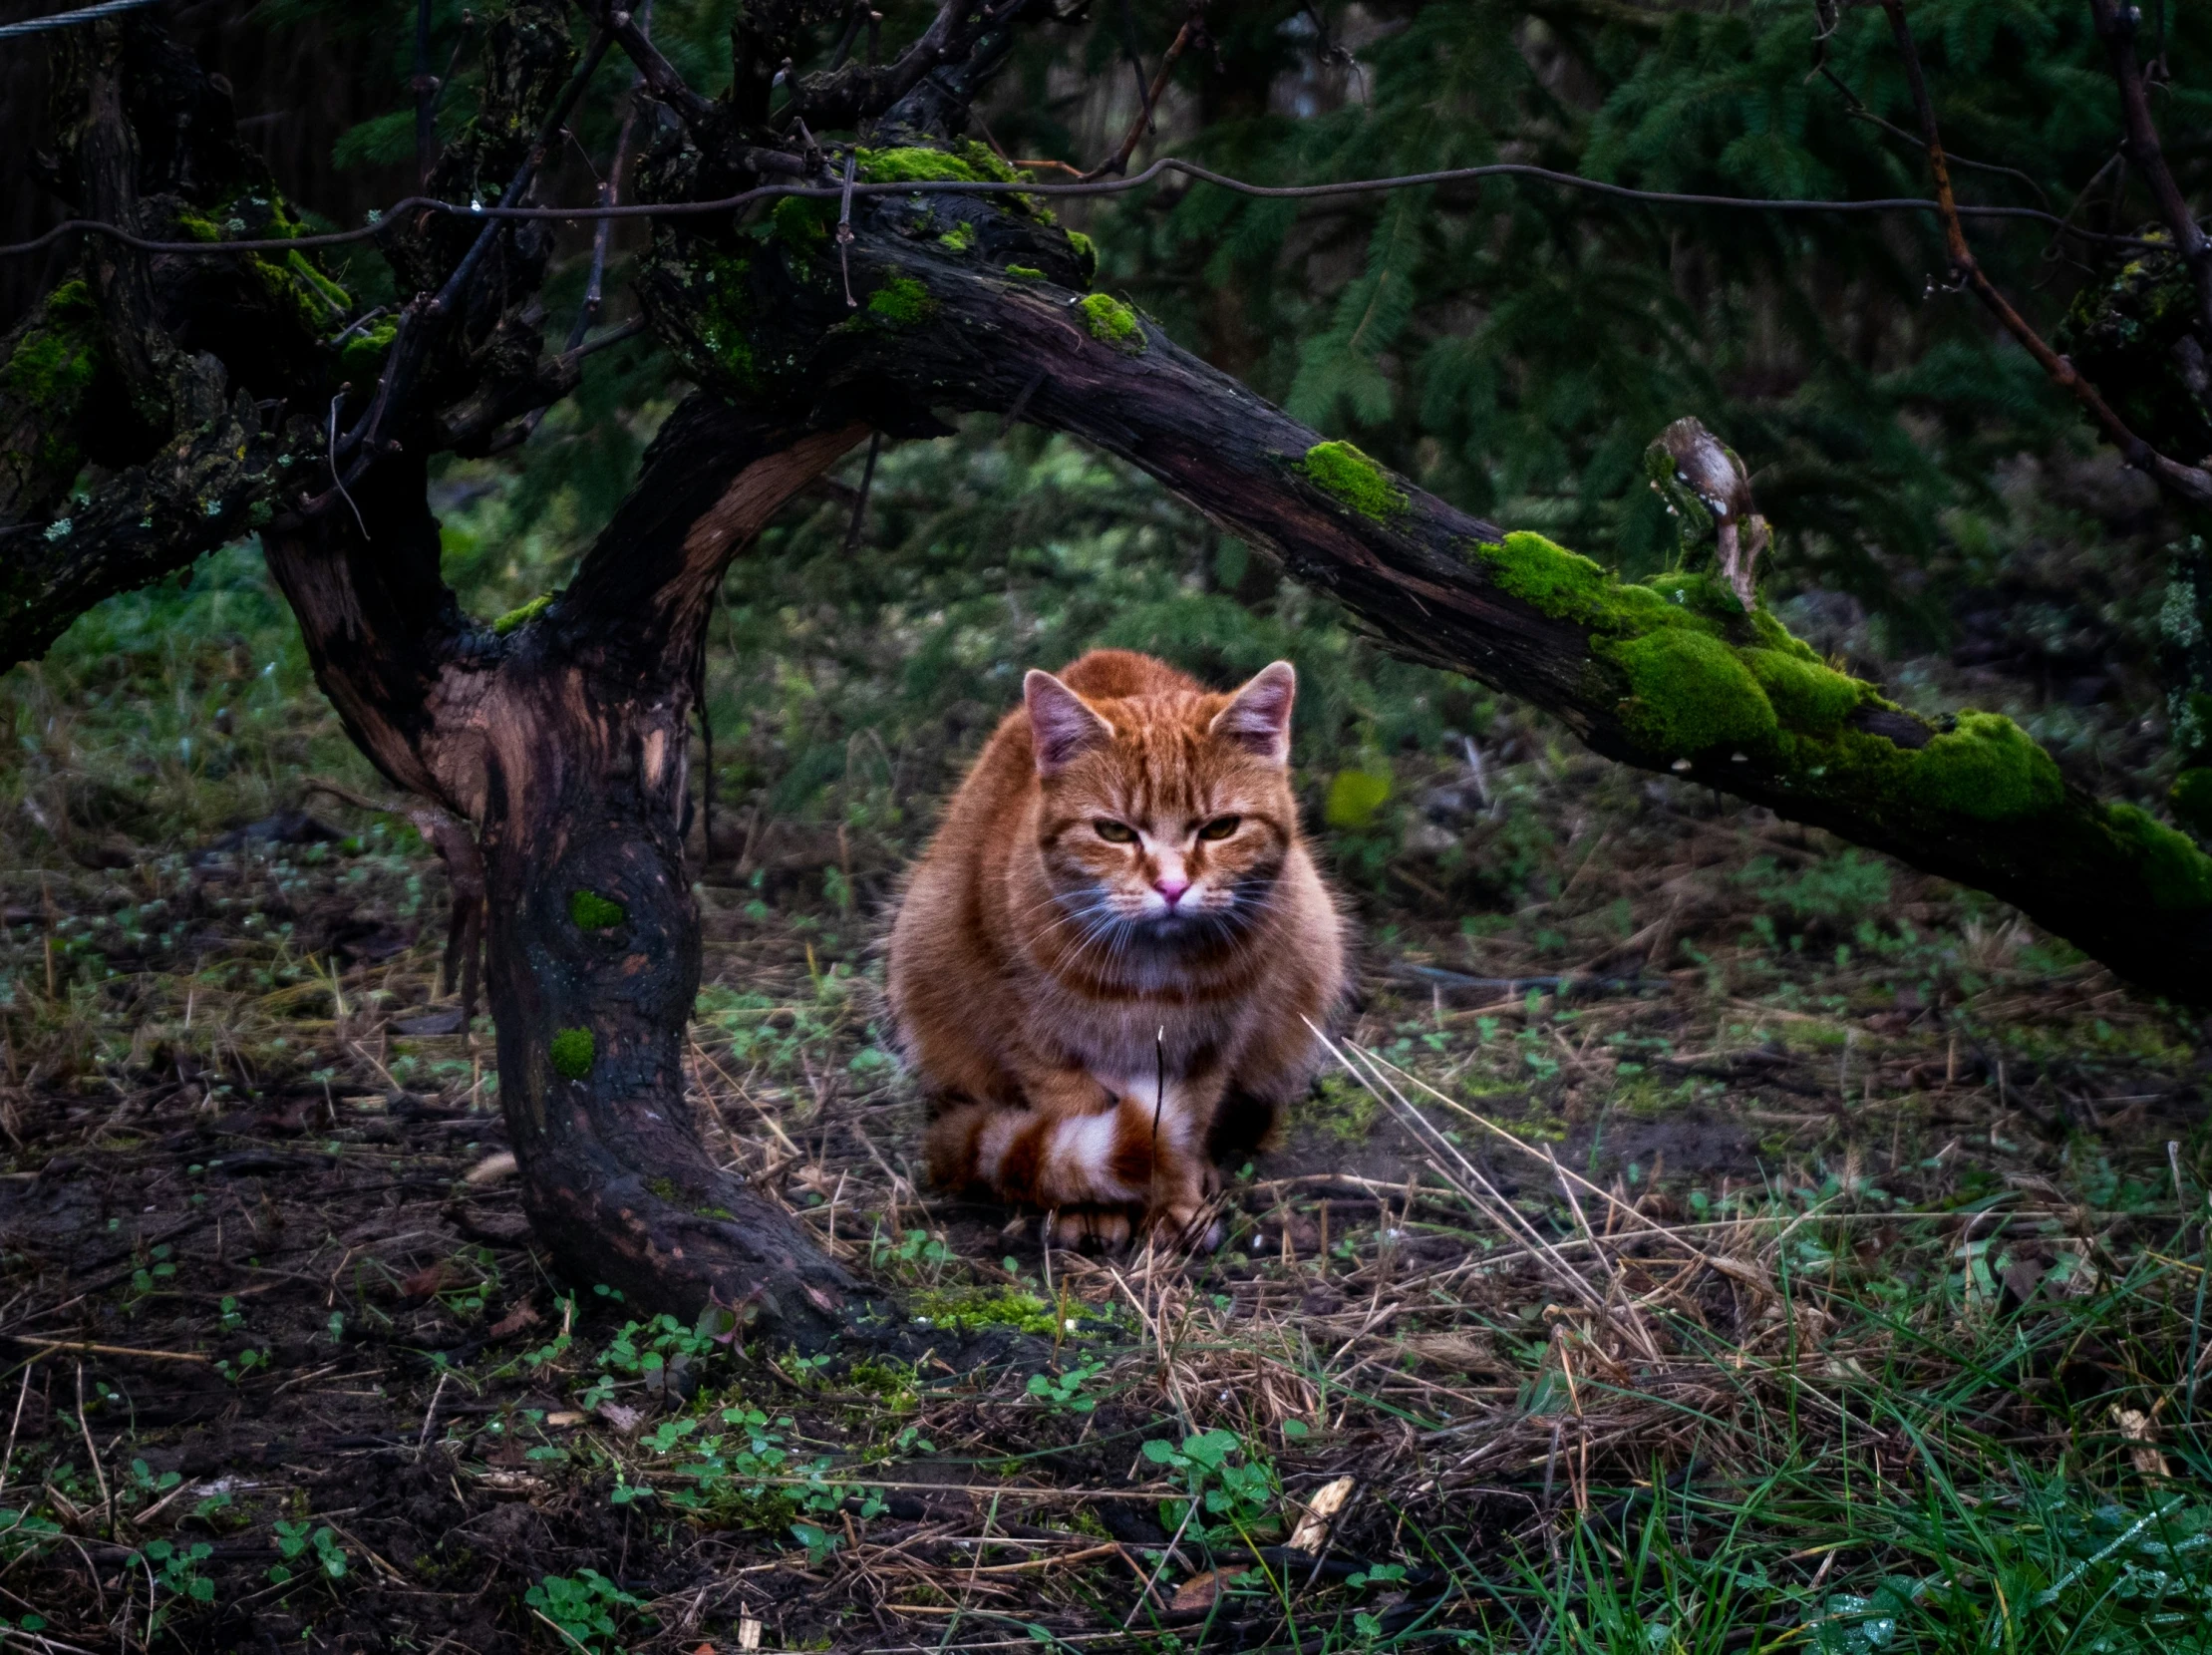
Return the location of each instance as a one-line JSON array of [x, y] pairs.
[[1257, 717], [1061, 728]]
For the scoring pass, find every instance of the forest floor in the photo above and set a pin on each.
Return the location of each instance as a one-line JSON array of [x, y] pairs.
[[1755, 1245]]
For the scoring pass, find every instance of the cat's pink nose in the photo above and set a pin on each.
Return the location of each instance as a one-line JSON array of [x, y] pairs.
[[1172, 889]]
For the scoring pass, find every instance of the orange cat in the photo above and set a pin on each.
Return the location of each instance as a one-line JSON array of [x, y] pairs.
[[1106, 962]]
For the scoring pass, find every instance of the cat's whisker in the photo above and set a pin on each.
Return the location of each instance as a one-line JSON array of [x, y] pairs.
[[1076, 917], [1054, 899]]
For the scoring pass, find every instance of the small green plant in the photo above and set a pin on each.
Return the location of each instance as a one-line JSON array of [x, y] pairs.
[[308, 1546], [25, 1530], [653, 1351], [176, 1572], [820, 1544], [1235, 1487], [236, 1369], [150, 1275], [1376, 1574], [142, 1484], [1063, 1392], [915, 1256], [583, 1608]]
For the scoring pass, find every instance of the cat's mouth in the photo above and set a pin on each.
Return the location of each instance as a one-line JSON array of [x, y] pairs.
[[1111, 922], [1185, 923]]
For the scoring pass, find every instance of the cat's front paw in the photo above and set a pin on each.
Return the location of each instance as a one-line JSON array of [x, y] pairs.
[[1089, 1229], [1187, 1224]]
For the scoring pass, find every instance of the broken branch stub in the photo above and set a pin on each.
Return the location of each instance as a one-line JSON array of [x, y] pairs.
[[1705, 486]]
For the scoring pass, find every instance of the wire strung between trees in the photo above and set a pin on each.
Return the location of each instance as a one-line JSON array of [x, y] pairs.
[[65, 20], [383, 221]]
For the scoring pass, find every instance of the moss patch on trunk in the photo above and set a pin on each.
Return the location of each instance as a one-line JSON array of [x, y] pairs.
[[593, 913], [572, 1051], [901, 301]]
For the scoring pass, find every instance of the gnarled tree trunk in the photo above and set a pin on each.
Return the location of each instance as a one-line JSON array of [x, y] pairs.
[[565, 741]]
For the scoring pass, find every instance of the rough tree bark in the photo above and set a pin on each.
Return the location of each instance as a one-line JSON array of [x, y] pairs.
[[559, 733], [564, 740]]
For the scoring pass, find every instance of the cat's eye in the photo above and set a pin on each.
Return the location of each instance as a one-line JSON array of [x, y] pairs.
[[1114, 832], [1220, 827]]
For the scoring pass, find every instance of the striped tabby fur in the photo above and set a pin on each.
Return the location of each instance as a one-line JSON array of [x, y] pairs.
[[1107, 959]]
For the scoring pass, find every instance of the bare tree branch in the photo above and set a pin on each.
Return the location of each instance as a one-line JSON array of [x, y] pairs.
[[2115, 26], [2187, 484], [662, 77], [858, 91], [1118, 161]]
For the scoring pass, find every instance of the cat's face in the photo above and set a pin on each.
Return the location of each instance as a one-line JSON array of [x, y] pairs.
[[1165, 817]]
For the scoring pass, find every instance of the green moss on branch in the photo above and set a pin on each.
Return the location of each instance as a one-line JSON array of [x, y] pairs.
[[361, 355], [1340, 470], [802, 223], [521, 616], [1985, 766], [1691, 692], [1113, 323], [967, 162], [292, 283], [1086, 255], [707, 311], [901, 301], [1702, 673], [1806, 695], [1704, 680], [2179, 873]]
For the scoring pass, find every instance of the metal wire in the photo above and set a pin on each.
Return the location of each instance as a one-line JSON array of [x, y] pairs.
[[1105, 186], [65, 20]]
